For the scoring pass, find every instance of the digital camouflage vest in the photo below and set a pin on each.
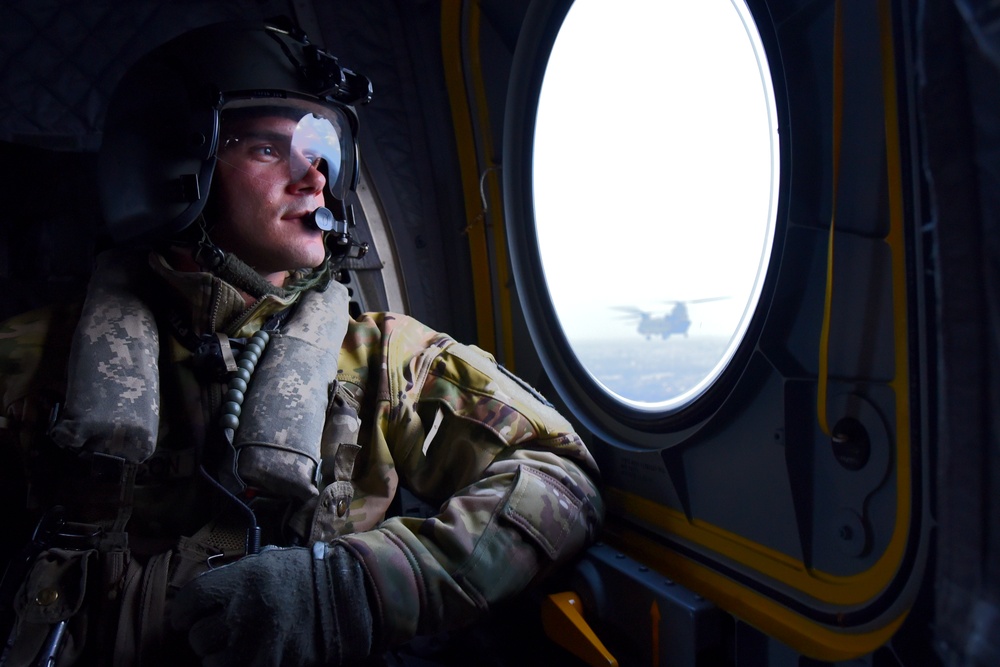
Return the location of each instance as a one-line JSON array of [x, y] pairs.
[[84, 571]]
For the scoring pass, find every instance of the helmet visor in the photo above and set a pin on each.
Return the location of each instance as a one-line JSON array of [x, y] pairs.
[[283, 140]]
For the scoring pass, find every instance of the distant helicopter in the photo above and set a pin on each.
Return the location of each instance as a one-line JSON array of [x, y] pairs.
[[676, 322]]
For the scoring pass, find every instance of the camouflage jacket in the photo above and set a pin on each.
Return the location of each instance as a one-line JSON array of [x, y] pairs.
[[513, 485]]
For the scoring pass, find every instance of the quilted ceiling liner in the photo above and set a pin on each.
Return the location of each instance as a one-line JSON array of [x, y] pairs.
[[60, 60]]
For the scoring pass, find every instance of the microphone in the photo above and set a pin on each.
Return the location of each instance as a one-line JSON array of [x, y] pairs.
[[338, 239], [322, 218]]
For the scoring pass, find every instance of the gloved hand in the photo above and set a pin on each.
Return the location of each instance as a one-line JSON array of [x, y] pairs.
[[293, 606]]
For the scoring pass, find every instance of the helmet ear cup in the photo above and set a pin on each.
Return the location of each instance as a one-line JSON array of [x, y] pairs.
[[157, 154]]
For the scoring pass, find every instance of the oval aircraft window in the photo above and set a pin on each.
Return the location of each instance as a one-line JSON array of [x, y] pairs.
[[655, 184]]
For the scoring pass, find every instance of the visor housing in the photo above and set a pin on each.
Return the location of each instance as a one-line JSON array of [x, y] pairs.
[[314, 134]]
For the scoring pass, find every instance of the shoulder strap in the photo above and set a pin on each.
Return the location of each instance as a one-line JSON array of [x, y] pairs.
[[112, 398], [276, 446]]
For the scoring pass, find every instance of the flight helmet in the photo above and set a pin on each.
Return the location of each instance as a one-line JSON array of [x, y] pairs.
[[162, 133]]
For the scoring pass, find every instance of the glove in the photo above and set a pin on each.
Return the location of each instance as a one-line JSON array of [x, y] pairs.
[[292, 606]]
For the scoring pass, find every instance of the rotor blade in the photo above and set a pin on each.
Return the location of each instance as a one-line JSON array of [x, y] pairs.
[[707, 299], [632, 311]]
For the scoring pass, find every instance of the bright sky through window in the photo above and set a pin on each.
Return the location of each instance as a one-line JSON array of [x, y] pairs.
[[655, 181]]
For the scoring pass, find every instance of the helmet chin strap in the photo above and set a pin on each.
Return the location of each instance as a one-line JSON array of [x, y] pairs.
[[237, 273], [231, 268]]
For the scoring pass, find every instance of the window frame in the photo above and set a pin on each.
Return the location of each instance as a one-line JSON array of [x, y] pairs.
[[613, 420]]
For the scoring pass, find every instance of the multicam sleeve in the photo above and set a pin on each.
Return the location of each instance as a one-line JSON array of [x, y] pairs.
[[515, 484]]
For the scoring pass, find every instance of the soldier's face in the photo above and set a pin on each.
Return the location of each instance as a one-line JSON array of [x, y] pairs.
[[260, 208]]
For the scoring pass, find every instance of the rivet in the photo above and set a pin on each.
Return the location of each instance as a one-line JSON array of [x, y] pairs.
[[851, 444], [46, 596]]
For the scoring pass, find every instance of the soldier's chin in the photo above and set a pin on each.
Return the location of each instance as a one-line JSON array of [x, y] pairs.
[[318, 256]]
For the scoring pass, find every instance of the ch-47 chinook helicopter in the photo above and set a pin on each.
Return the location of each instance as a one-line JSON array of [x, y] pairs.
[[675, 322]]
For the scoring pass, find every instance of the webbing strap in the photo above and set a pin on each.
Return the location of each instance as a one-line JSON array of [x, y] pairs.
[[142, 620], [152, 620]]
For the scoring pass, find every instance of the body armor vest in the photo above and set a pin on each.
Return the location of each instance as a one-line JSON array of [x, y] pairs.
[[111, 418]]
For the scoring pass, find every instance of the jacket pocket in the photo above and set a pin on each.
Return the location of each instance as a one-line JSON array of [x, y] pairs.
[[53, 593]]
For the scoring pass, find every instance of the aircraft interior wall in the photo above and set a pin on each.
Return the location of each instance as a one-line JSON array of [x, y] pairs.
[[960, 70], [756, 533]]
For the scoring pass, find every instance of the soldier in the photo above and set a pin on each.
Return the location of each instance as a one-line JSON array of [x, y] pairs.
[[218, 397]]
